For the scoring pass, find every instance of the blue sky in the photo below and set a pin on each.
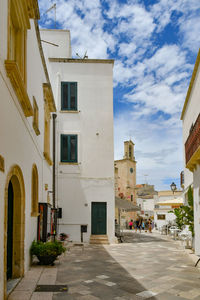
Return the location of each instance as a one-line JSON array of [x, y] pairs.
[[154, 44]]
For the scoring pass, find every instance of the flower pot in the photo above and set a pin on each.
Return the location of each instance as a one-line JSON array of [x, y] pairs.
[[47, 260]]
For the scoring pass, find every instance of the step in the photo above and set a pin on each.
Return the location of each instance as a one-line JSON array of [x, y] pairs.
[[99, 239]]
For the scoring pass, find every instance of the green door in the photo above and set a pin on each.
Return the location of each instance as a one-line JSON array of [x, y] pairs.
[[99, 217], [10, 232]]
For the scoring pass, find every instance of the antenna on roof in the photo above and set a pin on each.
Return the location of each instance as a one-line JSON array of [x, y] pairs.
[[52, 7], [145, 176], [85, 56]]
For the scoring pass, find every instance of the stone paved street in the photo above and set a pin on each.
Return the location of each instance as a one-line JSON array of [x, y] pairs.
[[147, 266]]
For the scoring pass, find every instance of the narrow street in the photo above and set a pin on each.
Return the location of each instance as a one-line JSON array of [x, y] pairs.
[[147, 266]]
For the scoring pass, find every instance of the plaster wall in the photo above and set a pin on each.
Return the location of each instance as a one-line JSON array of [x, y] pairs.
[[92, 179], [19, 143], [196, 197], [169, 217]]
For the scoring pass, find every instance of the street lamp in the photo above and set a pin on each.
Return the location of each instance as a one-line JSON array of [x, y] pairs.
[[173, 187]]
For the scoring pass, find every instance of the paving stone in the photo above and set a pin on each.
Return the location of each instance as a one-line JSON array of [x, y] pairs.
[[146, 294]]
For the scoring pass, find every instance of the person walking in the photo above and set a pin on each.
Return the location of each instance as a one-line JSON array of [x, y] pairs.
[[137, 224], [130, 224], [150, 225]]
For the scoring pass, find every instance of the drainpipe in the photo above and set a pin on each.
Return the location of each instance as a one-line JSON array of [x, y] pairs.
[[54, 175]]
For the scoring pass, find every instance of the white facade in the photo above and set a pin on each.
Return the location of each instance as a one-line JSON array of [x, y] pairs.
[[91, 179], [162, 214], [20, 150], [191, 129]]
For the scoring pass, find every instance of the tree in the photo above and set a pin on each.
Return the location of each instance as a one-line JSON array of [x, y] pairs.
[[185, 214]]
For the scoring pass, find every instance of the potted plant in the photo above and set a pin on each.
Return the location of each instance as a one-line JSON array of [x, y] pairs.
[[47, 252]]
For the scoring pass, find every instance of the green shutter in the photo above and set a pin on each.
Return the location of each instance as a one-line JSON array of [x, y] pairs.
[[66, 157], [67, 105]]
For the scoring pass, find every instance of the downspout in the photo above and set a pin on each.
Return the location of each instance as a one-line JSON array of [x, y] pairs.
[[54, 174]]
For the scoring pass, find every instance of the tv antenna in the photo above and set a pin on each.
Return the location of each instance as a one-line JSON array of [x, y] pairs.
[[85, 56], [52, 7], [145, 178]]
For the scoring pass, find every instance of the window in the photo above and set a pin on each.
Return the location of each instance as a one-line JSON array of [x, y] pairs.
[[69, 148], [161, 217], [131, 197], [34, 200], [35, 117], [69, 96], [18, 23]]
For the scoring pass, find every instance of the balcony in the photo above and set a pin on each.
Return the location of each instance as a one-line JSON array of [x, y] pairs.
[[192, 146]]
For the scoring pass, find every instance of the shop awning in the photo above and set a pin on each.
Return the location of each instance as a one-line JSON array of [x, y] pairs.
[[175, 201], [126, 205]]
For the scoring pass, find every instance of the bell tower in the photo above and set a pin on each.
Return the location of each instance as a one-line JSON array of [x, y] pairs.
[[129, 150]]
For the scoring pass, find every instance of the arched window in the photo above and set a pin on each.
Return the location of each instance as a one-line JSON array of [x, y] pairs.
[[130, 151], [34, 192]]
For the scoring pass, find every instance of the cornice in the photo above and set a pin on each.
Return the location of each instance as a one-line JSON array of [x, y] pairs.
[[82, 61], [19, 87]]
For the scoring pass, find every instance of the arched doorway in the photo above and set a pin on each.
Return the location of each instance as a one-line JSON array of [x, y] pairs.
[[14, 225]]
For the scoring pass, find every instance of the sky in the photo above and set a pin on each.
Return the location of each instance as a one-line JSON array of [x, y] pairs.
[[154, 44]]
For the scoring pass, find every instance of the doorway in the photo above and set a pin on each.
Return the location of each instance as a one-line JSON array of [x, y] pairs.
[[14, 226], [10, 231], [99, 218]]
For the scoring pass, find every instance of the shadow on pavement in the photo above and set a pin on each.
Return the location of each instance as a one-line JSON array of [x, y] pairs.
[[133, 237], [92, 274]]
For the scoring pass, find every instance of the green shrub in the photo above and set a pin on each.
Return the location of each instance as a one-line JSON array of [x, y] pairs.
[[47, 249]]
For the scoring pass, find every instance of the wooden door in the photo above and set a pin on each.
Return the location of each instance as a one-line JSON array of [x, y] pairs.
[[99, 218]]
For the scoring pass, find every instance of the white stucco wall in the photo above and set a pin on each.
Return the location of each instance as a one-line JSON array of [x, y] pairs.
[[19, 143], [169, 217], [92, 180], [191, 113]]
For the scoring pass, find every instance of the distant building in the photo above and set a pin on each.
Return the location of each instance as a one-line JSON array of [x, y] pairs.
[[166, 201], [191, 146], [145, 199], [125, 179]]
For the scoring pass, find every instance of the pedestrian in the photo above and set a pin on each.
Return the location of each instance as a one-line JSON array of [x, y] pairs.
[[143, 225], [140, 223], [150, 225], [137, 224], [130, 224]]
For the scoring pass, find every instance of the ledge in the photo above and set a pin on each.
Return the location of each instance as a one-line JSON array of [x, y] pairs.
[[68, 163], [69, 111], [35, 214], [33, 9], [19, 87], [194, 160], [2, 164], [48, 159], [48, 95], [36, 129]]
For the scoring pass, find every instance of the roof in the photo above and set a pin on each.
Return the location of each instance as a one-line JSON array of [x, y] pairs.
[[84, 61], [191, 84], [126, 205], [175, 201]]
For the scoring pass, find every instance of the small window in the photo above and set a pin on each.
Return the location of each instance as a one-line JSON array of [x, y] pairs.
[[69, 148], [131, 197], [161, 217], [69, 96]]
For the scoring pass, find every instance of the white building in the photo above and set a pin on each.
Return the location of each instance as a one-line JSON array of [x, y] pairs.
[[165, 202], [25, 125], [83, 90], [191, 143]]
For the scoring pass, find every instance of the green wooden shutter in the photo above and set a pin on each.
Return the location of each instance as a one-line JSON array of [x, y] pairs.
[[64, 95], [68, 148], [69, 96]]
